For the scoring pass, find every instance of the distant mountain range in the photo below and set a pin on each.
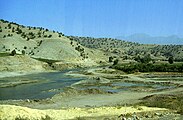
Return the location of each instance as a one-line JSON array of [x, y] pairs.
[[147, 39]]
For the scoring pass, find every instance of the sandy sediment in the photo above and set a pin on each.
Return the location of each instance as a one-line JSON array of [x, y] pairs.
[[11, 112]]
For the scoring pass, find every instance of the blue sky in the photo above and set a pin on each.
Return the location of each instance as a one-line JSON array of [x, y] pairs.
[[98, 18]]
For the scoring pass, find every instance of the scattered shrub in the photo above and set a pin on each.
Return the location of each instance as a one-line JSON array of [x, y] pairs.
[[9, 26], [71, 42], [23, 52], [45, 35], [49, 36], [110, 59], [13, 29], [13, 53], [9, 35], [170, 60], [19, 31], [115, 62]]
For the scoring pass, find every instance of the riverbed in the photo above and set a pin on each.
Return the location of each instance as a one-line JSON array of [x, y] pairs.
[[47, 84], [35, 86]]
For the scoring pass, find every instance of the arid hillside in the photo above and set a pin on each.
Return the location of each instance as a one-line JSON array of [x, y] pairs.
[[130, 50], [54, 50], [42, 45]]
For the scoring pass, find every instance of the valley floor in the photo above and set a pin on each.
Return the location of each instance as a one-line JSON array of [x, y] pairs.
[[106, 94]]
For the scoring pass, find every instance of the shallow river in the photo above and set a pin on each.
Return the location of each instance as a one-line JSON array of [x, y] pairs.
[[48, 85]]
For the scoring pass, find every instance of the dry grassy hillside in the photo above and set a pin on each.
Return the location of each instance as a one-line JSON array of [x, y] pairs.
[[130, 50], [60, 51], [44, 45]]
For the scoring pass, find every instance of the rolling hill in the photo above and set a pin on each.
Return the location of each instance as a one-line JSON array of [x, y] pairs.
[[46, 46], [43, 49]]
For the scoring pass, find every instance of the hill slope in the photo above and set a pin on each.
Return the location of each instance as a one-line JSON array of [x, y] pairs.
[[58, 51], [129, 50], [44, 45]]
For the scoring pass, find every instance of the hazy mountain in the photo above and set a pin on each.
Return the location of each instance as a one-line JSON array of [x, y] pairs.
[[147, 39]]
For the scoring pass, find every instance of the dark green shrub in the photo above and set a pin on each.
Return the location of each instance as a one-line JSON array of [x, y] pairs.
[[49, 36], [13, 52], [110, 59], [9, 35], [13, 29], [149, 67], [115, 62], [170, 60], [40, 43], [23, 52], [19, 31], [71, 42], [9, 25]]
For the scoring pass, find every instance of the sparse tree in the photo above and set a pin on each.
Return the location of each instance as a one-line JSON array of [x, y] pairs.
[[9, 25], [170, 60], [115, 62], [13, 29], [23, 52], [71, 42], [49, 36], [19, 31], [110, 59], [13, 52]]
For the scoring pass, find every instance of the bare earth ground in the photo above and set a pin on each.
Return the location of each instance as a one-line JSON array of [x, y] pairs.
[[16, 112], [95, 104]]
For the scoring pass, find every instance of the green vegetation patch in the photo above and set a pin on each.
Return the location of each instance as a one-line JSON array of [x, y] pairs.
[[4, 54], [149, 67]]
